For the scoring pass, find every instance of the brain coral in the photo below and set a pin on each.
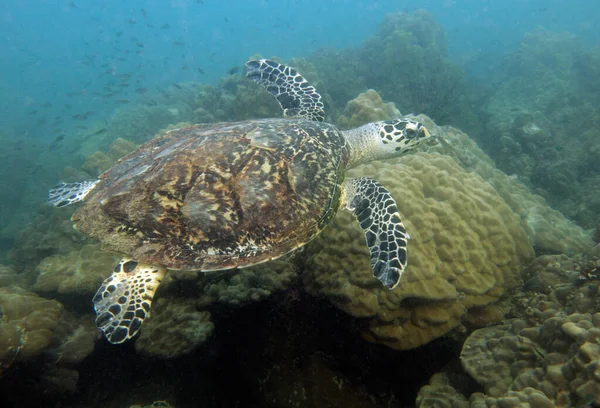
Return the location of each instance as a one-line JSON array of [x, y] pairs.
[[466, 250]]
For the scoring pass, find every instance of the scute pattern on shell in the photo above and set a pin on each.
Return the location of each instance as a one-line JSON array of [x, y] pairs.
[[217, 196]]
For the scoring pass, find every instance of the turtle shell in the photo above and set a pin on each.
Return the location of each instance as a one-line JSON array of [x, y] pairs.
[[217, 196]]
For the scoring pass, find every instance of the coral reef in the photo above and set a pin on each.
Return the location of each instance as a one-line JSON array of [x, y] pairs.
[[99, 161], [247, 285], [234, 98], [26, 169], [559, 358], [548, 354], [365, 108], [74, 339], [175, 328], [139, 123], [232, 287], [181, 320], [27, 325], [543, 124], [78, 272], [50, 233], [412, 46], [466, 251], [548, 229]]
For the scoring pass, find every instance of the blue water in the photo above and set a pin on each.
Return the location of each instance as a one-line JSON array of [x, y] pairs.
[[53, 49]]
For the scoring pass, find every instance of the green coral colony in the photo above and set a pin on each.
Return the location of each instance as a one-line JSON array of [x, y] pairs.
[[217, 196]]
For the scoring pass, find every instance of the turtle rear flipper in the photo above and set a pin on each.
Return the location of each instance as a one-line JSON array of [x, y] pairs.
[[64, 194], [377, 213], [296, 96], [124, 299]]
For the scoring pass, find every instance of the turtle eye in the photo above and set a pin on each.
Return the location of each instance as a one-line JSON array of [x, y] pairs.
[[410, 132]]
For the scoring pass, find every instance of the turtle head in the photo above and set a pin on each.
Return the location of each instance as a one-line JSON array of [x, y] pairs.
[[399, 136], [385, 139]]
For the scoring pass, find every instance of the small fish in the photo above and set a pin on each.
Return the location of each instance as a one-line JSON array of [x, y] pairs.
[[141, 91], [200, 71], [131, 21], [226, 19], [144, 13], [165, 26], [54, 146], [59, 138], [81, 116], [46, 105], [68, 106], [120, 33], [177, 86], [97, 132], [233, 70], [33, 112], [185, 67], [178, 43], [163, 93], [123, 100]]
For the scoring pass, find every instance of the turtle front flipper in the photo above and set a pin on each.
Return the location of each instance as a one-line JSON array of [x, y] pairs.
[[124, 299], [377, 213], [64, 194], [297, 98]]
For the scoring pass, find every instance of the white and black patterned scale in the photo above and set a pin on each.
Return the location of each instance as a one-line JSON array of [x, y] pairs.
[[378, 215]]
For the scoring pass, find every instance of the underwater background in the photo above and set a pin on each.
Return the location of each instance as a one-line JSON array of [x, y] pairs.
[[500, 304]]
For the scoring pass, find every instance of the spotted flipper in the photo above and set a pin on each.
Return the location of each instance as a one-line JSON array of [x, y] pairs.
[[377, 213], [124, 299], [64, 194], [296, 96]]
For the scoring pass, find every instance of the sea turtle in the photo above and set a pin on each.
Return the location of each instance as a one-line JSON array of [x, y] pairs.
[[230, 195]]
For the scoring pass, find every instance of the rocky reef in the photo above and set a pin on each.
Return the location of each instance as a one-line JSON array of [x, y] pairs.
[[548, 354]]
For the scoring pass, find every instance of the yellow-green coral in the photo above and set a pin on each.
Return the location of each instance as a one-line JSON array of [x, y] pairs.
[[466, 250], [79, 272], [367, 107]]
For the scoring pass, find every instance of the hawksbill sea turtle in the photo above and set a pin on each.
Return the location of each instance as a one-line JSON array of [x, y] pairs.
[[230, 195]]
